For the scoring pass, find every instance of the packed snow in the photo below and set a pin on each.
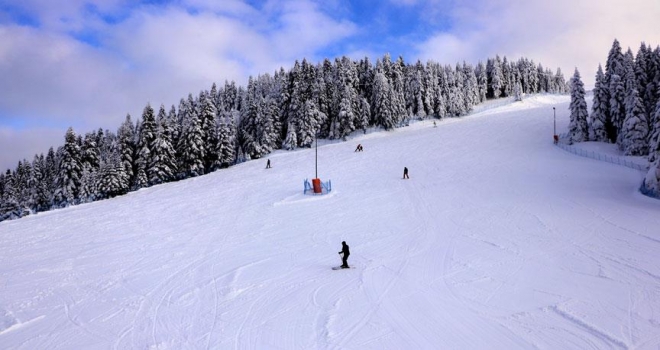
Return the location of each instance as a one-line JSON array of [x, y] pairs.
[[499, 240]]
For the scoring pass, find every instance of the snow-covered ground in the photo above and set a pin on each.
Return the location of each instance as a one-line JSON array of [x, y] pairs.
[[499, 240]]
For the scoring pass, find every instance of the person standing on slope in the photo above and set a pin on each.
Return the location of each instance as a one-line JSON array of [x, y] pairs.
[[405, 173], [268, 164], [346, 252]]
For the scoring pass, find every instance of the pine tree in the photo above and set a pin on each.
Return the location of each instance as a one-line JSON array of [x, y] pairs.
[[70, 171], [654, 140], [578, 130], [652, 180], [470, 87], [641, 75], [614, 66], [90, 164], [635, 128], [51, 175], [226, 148], [291, 141], [617, 106], [162, 163], [9, 206], [126, 140], [495, 77], [517, 91], [598, 119], [209, 130], [482, 81], [42, 192], [652, 93], [192, 148], [456, 100], [382, 102], [113, 179], [145, 145]]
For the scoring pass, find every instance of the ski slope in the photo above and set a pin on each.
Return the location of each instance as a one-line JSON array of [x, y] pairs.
[[499, 240]]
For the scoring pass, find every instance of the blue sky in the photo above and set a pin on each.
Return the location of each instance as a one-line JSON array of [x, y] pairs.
[[87, 63]]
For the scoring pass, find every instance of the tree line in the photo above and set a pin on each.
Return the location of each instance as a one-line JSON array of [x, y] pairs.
[[231, 124], [625, 109]]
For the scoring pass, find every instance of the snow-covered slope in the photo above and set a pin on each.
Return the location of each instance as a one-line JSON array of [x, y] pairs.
[[499, 240]]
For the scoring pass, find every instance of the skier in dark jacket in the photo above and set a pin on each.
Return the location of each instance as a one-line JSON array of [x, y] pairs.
[[346, 252]]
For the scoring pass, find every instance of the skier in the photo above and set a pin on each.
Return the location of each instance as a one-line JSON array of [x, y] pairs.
[[405, 173], [346, 252], [268, 164], [358, 148]]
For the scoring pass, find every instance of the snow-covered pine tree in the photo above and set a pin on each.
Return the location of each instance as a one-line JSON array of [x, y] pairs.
[[162, 164], [617, 106], [70, 172], [226, 149], [613, 66], [470, 87], [560, 83], [42, 192], [652, 93], [640, 65], [443, 92], [192, 148], [482, 81], [291, 141], [320, 94], [507, 76], [9, 206], [598, 119], [51, 175], [533, 78], [398, 86], [651, 182], [382, 102], [456, 100], [517, 90], [145, 145], [414, 92], [209, 130], [495, 78], [578, 129], [432, 88], [654, 140], [265, 125], [250, 114], [113, 179], [635, 128], [213, 97], [22, 186], [126, 144], [90, 153]]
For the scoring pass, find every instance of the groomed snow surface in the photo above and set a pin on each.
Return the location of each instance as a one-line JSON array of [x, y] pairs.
[[499, 240]]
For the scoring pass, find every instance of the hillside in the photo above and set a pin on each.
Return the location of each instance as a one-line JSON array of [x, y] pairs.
[[499, 240]]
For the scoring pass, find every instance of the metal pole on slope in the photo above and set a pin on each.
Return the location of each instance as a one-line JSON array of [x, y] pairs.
[[554, 121], [316, 157]]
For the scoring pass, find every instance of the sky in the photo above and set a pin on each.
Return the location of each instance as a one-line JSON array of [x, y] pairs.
[[86, 64]]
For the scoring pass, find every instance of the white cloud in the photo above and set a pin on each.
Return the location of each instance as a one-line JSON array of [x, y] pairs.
[[560, 33], [304, 30], [156, 55]]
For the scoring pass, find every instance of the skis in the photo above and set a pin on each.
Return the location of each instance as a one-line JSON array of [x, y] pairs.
[[341, 255]]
